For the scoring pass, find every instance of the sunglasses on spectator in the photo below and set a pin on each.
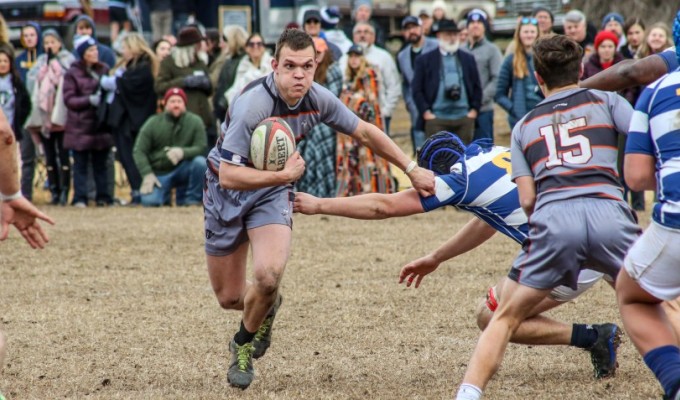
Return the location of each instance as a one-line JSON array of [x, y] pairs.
[[532, 21], [255, 44], [312, 21]]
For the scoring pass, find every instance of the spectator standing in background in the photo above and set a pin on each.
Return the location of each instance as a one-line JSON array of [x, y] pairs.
[[311, 23], [417, 45], [658, 39], [330, 17], [446, 87], [90, 144], [576, 27], [363, 10], [48, 116], [613, 22], [236, 38], [162, 49], [187, 68], [635, 35], [438, 14], [318, 149], [30, 41], [426, 21], [257, 64], [161, 18], [381, 59], [85, 27], [518, 91], [15, 100], [488, 58], [133, 103]]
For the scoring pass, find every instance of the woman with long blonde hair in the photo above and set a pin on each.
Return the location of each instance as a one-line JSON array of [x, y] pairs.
[[359, 170], [517, 90], [130, 93], [657, 39]]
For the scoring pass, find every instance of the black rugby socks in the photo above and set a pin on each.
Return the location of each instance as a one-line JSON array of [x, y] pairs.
[[583, 336], [243, 336]]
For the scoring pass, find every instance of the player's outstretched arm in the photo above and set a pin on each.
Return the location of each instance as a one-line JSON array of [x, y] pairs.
[[628, 73], [365, 206], [474, 233], [370, 136], [242, 178]]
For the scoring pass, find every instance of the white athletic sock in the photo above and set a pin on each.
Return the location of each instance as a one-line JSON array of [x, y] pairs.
[[469, 392]]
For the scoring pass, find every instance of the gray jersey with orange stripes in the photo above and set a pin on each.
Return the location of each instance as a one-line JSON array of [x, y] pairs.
[[569, 144], [260, 100]]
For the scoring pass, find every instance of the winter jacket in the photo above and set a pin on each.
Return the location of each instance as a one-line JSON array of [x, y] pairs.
[[170, 75], [246, 73], [162, 131], [22, 106], [511, 92], [592, 65], [135, 98], [24, 61], [47, 74], [81, 120], [224, 82]]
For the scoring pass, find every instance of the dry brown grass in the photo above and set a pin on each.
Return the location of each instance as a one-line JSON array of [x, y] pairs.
[[119, 306]]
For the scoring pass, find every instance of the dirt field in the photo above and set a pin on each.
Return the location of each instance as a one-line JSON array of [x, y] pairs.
[[119, 306]]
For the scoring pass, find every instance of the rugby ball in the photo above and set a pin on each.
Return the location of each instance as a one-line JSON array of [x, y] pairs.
[[271, 144]]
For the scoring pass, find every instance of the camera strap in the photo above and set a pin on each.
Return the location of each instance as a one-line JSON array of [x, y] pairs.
[[442, 71]]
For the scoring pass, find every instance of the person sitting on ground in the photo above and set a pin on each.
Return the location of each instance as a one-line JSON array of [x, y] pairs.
[[169, 154]]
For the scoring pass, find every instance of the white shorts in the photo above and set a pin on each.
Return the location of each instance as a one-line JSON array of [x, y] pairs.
[[654, 261]]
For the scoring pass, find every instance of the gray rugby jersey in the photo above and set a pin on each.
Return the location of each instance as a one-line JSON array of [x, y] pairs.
[[569, 144], [260, 100]]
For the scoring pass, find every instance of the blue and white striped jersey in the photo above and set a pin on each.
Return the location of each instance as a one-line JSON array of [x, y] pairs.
[[481, 184], [655, 131]]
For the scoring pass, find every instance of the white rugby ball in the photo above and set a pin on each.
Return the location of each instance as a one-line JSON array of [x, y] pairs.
[[271, 144]]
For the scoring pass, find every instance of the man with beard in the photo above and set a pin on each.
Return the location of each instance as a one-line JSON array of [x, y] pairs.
[[489, 58], [418, 44], [446, 86], [187, 68], [169, 154]]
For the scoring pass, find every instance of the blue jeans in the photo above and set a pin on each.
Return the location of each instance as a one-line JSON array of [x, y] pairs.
[[187, 178], [484, 126]]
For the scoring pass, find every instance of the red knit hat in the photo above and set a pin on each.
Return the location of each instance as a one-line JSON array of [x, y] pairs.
[[606, 35], [175, 92]]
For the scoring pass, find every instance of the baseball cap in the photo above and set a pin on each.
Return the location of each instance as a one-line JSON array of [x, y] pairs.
[[356, 49], [411, 20], [311, 14]]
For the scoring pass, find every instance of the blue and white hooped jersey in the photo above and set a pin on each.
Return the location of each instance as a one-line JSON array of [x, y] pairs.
[[655, 131], [483, 187]]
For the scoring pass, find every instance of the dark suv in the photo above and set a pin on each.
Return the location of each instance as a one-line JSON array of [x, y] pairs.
[[58, 14]]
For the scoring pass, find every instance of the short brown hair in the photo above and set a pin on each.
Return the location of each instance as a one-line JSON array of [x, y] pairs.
[[295, 39], [557, 59]]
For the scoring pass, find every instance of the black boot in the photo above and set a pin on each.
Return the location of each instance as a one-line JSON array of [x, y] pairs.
[[65, 185], [55, 188]]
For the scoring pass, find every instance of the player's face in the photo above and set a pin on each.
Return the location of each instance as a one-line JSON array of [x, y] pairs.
[[29, 36], [615, 27], [528, 35], [544, 21], [294, 72], [657, 39], [175, 106], [606, 50], [4, 64], [51, 43], [635, 35]]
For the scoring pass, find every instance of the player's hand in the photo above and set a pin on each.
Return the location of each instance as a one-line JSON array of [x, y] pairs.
[[306, 204], [24, 216], [417, 269], [294, 168], [423, 181]]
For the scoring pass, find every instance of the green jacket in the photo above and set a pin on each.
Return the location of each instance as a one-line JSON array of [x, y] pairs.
[[162, 131], [170, 75]]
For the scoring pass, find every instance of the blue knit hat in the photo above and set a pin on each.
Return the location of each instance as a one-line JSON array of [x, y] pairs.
[[612, 16], [82, 42]]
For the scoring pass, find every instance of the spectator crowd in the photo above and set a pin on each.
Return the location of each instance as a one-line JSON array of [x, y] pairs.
[[157, 108]]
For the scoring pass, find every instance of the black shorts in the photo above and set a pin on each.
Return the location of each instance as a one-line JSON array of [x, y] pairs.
[[118, 14]]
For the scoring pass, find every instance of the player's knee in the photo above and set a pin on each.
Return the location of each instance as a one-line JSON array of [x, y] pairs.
[[483, 314], [267, 280], [229, 301]]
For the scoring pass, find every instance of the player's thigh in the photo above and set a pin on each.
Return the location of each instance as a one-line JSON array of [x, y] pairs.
[[612, 230], [271, 250], [654, 262], [495, 296], [228, 273], [518, 302]]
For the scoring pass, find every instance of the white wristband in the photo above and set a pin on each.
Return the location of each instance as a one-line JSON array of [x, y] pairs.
[[17, 195], [410, 167]]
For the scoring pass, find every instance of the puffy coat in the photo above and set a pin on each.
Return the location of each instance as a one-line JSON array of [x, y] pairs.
[[81, 121]]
